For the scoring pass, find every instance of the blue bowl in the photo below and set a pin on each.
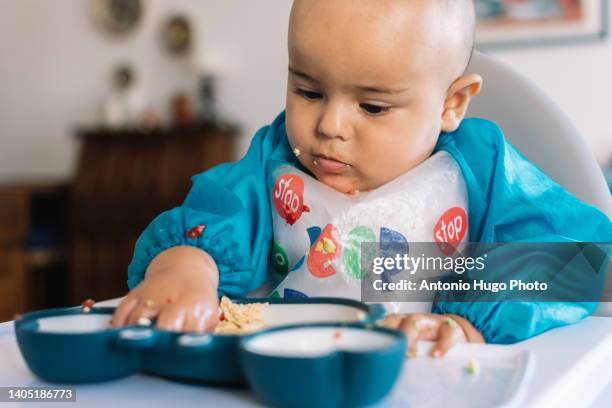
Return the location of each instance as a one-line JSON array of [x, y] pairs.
[[61, 356], [195, 357], [216, 358], [56, 351], [324, 365]]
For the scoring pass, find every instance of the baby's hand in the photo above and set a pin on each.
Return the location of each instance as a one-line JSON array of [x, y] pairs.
[[447, 330], [181, 295]]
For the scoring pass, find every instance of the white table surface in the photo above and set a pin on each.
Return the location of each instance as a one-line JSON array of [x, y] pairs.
[[572, 367]]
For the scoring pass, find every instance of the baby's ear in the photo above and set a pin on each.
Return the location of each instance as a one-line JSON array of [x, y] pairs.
[[458, 100]]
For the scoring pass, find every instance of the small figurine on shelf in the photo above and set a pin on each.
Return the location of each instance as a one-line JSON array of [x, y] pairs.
[[150, 119], [182, 110], [207, 109], [124, 104], [209, 63], [113, 113]]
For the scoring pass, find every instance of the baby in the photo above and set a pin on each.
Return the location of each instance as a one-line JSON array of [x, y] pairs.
[[375, 88]]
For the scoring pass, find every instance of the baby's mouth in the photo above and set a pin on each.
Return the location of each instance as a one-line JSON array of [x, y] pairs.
[[330, 165]]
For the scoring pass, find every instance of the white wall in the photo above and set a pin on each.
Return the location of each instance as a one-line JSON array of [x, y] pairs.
[[247, 40], [55, 66], [579, 78]]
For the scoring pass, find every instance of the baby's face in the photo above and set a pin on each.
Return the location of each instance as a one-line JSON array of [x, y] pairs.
[[366, 89]]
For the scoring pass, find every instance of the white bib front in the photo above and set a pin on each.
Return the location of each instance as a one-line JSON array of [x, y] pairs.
[[318, 231]]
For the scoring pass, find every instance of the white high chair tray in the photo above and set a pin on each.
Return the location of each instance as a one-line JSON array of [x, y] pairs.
[[500, 380], [570, 366]]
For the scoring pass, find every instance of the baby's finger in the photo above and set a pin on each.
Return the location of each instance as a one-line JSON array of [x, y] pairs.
[[410, 325], [191, 322], [212, 320], [200, 326], [450, 334], [145, 309], [392, 321], [171, 318], [123, 310], [201, 318]]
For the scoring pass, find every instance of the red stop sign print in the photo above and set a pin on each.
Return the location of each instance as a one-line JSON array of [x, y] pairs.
[[450, 229], [288, 196], [325, 249]]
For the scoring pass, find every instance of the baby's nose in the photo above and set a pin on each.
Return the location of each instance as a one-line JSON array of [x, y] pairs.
[[334, 122]]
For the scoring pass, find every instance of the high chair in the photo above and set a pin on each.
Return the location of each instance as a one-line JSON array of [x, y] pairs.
[[537, 127]]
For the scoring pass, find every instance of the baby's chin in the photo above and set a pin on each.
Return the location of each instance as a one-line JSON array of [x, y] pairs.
[[343, 184]]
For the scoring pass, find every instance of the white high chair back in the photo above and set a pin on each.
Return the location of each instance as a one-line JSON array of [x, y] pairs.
[[535, 125]]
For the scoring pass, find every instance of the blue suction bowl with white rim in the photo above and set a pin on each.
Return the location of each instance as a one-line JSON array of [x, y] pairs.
[[324, 365], [72, 346], [195, 357], [215, 358]]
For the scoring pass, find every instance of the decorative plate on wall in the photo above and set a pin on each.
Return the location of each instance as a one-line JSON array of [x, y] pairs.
[[176, 35], [117, 17]]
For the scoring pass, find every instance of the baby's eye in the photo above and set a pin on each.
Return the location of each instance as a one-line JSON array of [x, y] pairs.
[[309, 95], [374, 109]]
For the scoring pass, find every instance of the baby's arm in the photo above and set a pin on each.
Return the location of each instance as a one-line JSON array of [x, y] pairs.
[[180, 289], [512, 201], [215, 244]]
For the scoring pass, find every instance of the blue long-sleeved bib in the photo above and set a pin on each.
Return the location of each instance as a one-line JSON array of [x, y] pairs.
[[510, 200]]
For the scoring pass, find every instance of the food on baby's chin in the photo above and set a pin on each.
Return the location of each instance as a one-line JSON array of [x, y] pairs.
[[240, 318]]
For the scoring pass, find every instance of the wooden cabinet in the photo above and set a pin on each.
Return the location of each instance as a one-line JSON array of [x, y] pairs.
[[124, 179], [14, 213], [32, 245], [13, 282], [14, 224]]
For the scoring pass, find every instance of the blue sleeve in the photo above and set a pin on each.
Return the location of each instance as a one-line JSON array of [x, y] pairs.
[[511, 200], [231, 202]]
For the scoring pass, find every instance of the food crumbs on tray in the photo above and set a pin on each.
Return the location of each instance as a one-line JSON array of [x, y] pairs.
[[240, 318], [473, 367], [337, 334]]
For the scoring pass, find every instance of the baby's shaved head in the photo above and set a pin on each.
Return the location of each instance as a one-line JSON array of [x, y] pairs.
[[460, 14], [444, 27], [372, 83]]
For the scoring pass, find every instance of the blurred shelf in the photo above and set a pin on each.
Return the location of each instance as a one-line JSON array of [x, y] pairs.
[[164, 131], [125, 178]]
